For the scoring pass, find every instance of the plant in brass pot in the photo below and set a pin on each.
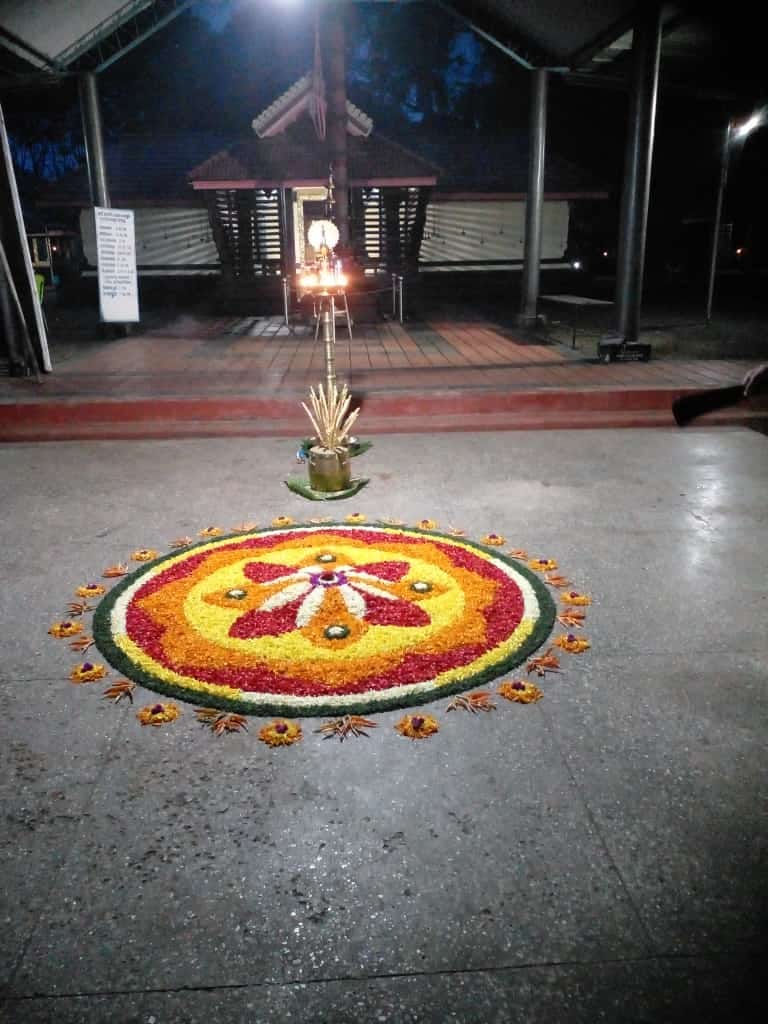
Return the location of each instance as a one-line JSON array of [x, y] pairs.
[[332, 420]]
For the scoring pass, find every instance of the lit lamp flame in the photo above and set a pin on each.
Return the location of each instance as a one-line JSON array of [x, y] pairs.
[[323, 280]]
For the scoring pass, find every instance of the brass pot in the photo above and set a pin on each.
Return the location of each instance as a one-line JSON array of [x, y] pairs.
[[329, 471]]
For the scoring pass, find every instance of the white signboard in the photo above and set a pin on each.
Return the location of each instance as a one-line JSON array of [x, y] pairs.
[[116, 252]]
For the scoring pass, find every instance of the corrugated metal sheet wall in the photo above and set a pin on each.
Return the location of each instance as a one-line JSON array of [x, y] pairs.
[[464, 230], [165, 237]]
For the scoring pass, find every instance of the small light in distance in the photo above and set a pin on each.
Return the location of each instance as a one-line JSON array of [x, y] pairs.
[[576, 264]]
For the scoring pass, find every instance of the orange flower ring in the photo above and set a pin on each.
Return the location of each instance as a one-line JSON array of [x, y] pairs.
[[323, 620]]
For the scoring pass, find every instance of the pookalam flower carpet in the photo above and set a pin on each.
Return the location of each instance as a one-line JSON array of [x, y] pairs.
[[339, 619]]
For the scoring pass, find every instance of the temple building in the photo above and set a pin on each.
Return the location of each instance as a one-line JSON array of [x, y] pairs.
[[238, 212], [263, 192]]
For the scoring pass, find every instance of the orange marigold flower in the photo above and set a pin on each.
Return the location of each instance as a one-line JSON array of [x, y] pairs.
[[245, 527], [144, 555], [494, 539], [417, 727], [113, 571], [354, 517], [280, 733], [542, 564], [521, 691], [65, 628], [574, 597], [91, 590], [158, 714], [572, 643], [211, 531], [87, 673], [282, 521], [427, 524]]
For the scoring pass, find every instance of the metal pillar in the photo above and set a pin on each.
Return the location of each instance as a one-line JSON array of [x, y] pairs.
[[535, 199], [718, 216], [646, 47], [94, 140], [337, 115]]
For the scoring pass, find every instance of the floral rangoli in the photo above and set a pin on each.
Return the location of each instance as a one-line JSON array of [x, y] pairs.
[[323, 619]]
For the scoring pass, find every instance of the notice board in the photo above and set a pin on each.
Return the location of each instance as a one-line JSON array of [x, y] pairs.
[[116, 252]]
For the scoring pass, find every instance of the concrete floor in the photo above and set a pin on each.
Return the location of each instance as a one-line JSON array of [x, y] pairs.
[[599, 856]]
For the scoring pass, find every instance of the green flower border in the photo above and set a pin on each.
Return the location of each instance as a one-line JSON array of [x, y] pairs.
[[358, 703]]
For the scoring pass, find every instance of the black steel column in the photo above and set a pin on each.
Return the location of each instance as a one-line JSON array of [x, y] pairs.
[[646, 48], [535, 199], [94, 140]]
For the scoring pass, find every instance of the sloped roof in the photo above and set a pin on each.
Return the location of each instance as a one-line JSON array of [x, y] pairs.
[[162, 170], [288, 107], [715, 46], [297, 156], [489, 164], [141, 169]]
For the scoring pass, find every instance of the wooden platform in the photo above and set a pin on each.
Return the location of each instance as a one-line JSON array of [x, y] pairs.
[[245, 377]]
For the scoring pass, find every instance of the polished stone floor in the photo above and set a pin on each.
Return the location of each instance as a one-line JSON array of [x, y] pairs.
[[598, 856]]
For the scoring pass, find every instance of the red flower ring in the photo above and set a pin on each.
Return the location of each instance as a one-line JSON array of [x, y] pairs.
[[311, 620]]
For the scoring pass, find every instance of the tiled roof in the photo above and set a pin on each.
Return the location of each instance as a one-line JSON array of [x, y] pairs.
[[490, 164], [140, 169], [296, 96], [157, 169], [297, 155]]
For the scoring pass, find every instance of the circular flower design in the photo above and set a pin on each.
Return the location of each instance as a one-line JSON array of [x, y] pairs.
[[354, 517], [62, 629], [144, 555], [211, 531], [158, 714], [521, 691], [572, 643], [323, 620], [87, 673], [280, 733], [91, 590], [280, 521], [494, 539], [417, 727]]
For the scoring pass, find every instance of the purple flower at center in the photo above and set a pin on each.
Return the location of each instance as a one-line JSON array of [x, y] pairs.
[[86, 666], [328, 579]]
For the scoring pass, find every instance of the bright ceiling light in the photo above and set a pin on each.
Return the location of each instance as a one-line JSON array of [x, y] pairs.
[[742, 130]]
